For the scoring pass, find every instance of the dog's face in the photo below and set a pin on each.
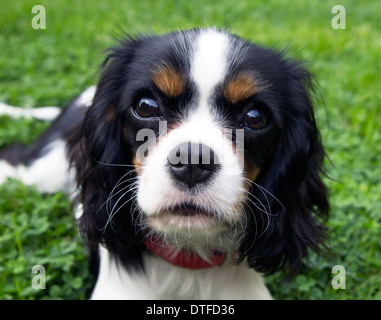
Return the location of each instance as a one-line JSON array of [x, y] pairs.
[[192, 182], [203, 139]]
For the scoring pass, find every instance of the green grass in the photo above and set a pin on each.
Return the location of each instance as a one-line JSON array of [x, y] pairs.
[[39, 230], [50, 67]]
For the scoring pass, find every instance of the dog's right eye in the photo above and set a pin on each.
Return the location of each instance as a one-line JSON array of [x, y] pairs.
[[147, 108], [255, 120]]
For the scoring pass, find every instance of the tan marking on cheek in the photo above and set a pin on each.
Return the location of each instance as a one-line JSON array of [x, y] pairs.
[[138, 166], [240, 88], [168, 80], [252, 174]]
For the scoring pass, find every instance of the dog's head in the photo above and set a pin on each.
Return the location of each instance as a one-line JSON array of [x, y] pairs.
[[206, 142]]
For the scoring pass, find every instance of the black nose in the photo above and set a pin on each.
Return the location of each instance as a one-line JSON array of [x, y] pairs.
[[192, 163]]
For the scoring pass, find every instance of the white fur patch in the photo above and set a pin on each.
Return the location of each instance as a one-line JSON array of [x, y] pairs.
[[42, 113], [49, 173], [164, 281], [46, 113], [209, 62], [6, 171], [86, 97]]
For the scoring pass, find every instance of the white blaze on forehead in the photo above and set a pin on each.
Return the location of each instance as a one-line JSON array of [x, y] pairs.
[[208, 67]]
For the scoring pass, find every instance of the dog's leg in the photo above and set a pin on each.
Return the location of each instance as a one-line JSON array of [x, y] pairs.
[[11, 157], [45, 163], [48, 169]]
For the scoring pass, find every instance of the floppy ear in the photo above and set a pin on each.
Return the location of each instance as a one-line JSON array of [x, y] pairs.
[[295, 191], [102, 158]]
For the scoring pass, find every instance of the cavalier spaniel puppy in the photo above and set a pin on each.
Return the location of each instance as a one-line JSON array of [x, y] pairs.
[[196, 162]]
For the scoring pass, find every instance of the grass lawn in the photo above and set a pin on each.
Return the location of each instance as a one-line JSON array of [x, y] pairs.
[[51, 66]]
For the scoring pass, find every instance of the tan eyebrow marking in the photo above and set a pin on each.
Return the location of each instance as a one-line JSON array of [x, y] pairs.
[[168, 80], [240, 88]]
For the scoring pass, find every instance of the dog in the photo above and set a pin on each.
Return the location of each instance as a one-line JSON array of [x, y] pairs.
[[195, 165]]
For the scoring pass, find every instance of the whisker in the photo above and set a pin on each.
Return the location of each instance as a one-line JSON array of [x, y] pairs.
[[264, 190], [115, 210], [255, 224], [113, 213], [114, 164], [264, 208], [119, 182], [260, 206], [137, 222], [267, 213], [112, 195]]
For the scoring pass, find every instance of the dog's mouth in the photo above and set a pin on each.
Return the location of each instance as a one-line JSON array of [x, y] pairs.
[[189, 210], [189, 218]]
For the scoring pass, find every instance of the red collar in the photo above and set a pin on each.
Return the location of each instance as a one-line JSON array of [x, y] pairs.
[[184, 259]]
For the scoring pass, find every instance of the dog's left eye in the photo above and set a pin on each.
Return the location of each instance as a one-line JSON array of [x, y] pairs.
[[147, 108], [255, 119]]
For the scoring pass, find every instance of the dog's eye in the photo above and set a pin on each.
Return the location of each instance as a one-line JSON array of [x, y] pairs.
[[147, 108], [255, 119]]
